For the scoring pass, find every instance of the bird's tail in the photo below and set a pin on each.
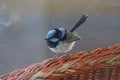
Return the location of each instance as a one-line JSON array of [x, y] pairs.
[[81, 21]]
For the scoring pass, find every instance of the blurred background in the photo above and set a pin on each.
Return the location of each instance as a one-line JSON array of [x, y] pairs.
[[24, 24]]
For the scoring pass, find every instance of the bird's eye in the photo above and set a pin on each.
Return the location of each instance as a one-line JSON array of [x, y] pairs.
[[52, 43], [60, 33]]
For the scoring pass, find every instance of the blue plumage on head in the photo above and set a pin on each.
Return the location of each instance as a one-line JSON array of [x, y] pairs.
[[62, 32], [51, 33]]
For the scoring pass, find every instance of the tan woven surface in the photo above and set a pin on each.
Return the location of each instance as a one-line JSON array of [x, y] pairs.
[[98, 64]]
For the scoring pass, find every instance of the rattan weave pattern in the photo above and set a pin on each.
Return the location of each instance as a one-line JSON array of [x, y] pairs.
[[98, 64]]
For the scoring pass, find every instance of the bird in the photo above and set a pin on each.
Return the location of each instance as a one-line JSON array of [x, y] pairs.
[[60, 40]]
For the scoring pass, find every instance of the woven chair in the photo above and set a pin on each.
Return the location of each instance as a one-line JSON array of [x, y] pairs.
[[98, 64]]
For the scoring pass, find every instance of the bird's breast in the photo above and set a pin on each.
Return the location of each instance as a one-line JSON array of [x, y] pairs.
[[63, 47]]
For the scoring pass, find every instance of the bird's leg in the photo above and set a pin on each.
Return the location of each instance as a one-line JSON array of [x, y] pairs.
[[66, 56], [55, 56]]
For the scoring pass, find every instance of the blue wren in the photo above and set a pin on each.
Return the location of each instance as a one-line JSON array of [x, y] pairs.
[[60, 40]]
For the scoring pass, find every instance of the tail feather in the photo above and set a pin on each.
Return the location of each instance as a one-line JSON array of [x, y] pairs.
[[81, 21]]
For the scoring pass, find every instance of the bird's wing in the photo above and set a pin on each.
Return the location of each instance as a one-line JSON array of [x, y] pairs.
[[72, 37]]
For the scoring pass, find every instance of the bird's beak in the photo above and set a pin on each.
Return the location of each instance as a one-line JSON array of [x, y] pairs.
[[45, 38]]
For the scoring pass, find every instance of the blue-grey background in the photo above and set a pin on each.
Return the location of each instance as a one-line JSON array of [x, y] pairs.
[[24, 24]]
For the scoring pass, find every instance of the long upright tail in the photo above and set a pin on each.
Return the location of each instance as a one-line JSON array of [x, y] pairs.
[[81, 21]]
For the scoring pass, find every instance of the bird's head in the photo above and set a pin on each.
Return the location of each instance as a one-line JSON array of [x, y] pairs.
[[54, 36]]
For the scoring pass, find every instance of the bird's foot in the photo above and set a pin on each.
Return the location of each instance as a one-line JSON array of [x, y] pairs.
[[66, 57], [55, 57]]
